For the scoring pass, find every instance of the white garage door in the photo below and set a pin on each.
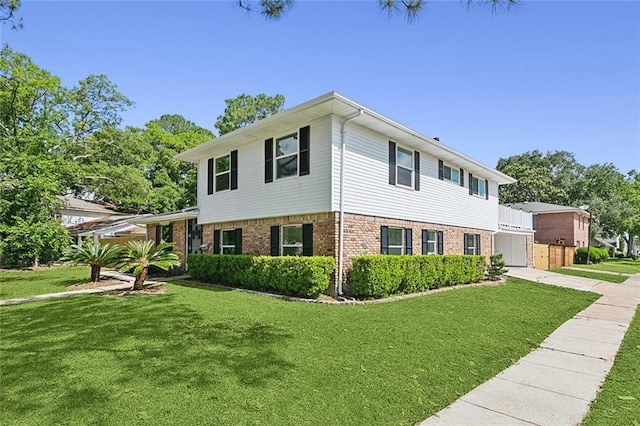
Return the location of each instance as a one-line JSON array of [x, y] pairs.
[[513, 248]]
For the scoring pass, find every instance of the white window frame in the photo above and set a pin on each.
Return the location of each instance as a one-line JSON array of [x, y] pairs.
[[451, 169], [398, 166], [479, 181], [296, 245], [227, 246], [296, 136], [471, 244], [401, 246], [216, 173], [434, 241]]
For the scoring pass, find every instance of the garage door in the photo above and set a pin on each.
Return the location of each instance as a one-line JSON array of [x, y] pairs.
[[513, 248]]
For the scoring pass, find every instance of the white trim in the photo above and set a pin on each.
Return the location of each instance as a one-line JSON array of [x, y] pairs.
[[296, 245], [216, 174]]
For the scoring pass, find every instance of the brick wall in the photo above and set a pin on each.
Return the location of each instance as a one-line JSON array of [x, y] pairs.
[[568, 226], [179, 239], [530, 251]]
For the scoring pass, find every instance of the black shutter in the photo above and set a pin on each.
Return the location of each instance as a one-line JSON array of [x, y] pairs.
[[440, 236], [238, 241], [486, 189], [384, 239], [478, 251], [275, 240], [466, 240], [440, 170], [158, 234], [216, 241], [425, 236], [392, 163], [408, 241], [307, 239], [170, 239], [234, 169], [416, 169], [470, 184], [210, 174], [304, 150], [268, 160], [461, 177]]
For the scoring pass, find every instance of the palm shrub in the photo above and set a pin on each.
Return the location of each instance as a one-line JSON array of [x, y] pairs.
[[140, 255], [94, 254]]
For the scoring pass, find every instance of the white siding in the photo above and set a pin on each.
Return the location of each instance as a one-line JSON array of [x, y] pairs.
[[367, 188], [283, 197], [513, 248]]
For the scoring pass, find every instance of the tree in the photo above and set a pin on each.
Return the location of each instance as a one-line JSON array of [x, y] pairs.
[[8, 9], [246, 109], [411, 9], [140, 255], [93, 254]]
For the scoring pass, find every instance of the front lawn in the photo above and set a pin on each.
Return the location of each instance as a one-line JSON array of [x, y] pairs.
[[612, 278], [622, 266], [198, 355], [619, 401], [14, 284]]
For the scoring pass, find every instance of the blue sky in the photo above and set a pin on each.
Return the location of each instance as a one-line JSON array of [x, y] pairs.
[[547, 76]]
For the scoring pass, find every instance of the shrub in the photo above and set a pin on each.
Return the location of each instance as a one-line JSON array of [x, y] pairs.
[[290, 275], [496, 268], [382, 275], [596, 255], [619, 254]]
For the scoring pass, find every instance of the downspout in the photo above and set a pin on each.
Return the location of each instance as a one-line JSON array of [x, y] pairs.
[[343, 151]]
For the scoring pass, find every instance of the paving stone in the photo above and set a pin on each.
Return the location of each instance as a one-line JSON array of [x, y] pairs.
[[570, 383], [607, 312], [571, 362], [578, 329], [527, 403], [580, 346], [601, 324], [462, 413]]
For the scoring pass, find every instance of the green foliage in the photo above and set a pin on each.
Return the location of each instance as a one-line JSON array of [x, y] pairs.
[[600, 276], [290, 275], [93, 254], [379, 275], [138, 256], [246, 109], [7, 12], [619, 254], [596, 255], [31, 242], [496, 267]]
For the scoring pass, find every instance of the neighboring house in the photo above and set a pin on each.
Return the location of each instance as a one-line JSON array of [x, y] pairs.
[[76, 211], [113, 230], [332, 177], [555, 224]]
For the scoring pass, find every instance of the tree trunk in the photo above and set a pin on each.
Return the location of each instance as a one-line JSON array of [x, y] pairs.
[[95, 273], [35, 262], [140, 279]]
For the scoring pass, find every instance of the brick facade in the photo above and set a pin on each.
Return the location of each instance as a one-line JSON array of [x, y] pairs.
[[179, 235], [571, 228]]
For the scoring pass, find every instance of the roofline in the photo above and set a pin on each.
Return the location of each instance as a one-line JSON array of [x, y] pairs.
[[188, 155], [165, 217]]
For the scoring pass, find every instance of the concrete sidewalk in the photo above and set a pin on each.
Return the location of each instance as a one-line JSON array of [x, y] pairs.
[[555, 384]]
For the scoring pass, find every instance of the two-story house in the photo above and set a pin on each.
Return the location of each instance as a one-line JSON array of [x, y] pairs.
[[556, 224], [332, 177]]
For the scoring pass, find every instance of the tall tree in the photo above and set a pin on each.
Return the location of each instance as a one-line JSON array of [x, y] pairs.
[[8, 9], [246, 109]]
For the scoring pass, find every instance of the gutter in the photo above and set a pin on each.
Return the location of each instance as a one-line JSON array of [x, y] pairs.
[[343, 151]]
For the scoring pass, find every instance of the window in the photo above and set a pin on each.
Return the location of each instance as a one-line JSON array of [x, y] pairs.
[[223, 173], [291, 240], [471, 243], [477, 186], [430, 241], [228, 241], [289, 155], [450, 173], [404, 167], [164, 233], [395, 240]]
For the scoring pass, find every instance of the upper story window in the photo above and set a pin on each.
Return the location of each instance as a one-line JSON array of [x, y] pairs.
[[478, 187], [287, 155], [453, 174], [222, 173], [404, 167]]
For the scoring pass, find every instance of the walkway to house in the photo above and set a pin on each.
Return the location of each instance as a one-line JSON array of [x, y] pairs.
[[555, 384]]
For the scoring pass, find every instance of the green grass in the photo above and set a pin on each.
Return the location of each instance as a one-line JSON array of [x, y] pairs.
[[593, 275], [621, 266], [619, 401], [200, 355], [15, 284]]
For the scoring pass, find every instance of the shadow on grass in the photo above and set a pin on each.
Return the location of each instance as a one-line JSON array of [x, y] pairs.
[[199, 286], [79, 348]]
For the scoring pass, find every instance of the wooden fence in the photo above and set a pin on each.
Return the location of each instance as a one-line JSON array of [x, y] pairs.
[[551, 256]]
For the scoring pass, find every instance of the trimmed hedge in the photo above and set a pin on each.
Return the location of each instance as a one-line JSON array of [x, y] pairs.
[[290, 275], [596, 255], [382, 275]]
